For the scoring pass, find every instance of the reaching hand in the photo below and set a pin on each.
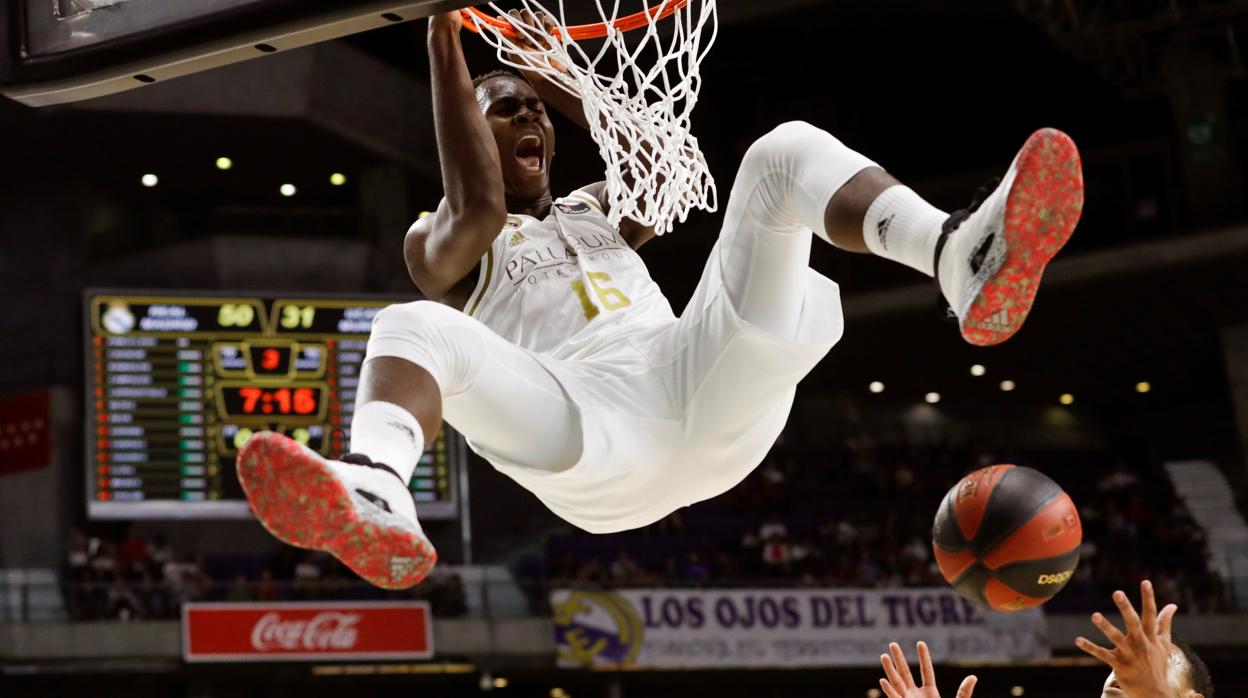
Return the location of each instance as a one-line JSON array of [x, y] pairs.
[[1140, 658], [450, 21], [535, 49], [900, 682]]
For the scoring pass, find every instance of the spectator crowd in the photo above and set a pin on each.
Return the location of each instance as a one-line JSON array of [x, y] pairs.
[[862, 515], [134, 578]]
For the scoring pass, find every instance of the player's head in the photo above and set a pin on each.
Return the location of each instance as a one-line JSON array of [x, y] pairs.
[[525, 137], [1187, 676]]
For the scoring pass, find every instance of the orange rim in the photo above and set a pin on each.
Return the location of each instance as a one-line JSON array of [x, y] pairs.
[[578, 32]]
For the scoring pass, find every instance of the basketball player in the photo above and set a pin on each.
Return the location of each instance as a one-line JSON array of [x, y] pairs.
[[564, 365], [1146, 661]]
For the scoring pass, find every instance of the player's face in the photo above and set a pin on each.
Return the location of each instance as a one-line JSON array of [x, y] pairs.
[[526, 139], [1178, 679]]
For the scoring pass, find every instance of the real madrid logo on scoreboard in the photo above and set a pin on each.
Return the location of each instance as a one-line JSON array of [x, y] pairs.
[[179, 383]]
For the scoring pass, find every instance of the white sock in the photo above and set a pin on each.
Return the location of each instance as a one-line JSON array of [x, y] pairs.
[[901, 226], [388, 434]]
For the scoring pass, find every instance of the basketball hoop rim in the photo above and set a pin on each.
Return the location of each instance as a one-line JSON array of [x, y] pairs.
[[578, 32]]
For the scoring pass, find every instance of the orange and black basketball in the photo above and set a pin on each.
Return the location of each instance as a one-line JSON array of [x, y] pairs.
[[1007, 537]]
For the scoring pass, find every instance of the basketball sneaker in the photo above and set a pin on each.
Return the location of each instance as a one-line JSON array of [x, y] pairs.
[[358, 511], [990, 256]]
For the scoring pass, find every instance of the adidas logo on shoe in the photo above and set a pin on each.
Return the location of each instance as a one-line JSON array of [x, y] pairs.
[[999, 322], [400, 567]]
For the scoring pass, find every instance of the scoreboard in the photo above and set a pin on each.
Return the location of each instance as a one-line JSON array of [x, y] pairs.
[[177, 384]]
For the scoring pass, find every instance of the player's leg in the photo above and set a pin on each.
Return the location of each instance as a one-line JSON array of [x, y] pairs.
[[783, 190], [423, 359], [988, 259], [430, 361]]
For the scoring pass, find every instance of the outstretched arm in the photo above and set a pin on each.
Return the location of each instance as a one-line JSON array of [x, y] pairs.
[[1140, 657], [899, 682], [441, 249]]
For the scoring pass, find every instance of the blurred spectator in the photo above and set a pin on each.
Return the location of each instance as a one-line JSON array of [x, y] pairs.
[[239, 589], [772, 527], [266, 590], [132, 553], [696, 571], [123, 603], [307, 577], [161, 552], [592, 571], [623, 570]]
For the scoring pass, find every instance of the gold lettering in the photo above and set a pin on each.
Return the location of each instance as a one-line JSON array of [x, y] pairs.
[[1059, 578]]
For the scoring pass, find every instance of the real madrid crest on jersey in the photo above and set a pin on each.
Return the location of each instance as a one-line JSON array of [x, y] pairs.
[[572, 206]]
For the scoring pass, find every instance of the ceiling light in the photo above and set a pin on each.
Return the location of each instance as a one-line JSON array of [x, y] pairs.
[[932, 398], [337, 179], [150, 180], [873, 693], [500, 682], [1143, 387], [1066, 399], [224, 163], [1016, 691], [288, 190], [978, 370], [1007, 386], [876, 387]]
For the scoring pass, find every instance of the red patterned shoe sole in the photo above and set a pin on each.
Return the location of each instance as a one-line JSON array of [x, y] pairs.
[[1041, 211], [300, 501]]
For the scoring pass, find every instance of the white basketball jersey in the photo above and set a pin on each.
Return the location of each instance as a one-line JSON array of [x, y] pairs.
[[557, 285]]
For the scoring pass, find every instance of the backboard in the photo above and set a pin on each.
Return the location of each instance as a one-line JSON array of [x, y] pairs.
[[58, 51]]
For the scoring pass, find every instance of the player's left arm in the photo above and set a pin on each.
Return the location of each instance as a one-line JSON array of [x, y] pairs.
[[898, 682], [634, 233]]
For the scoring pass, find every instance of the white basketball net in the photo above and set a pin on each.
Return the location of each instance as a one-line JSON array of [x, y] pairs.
[[639, 116]]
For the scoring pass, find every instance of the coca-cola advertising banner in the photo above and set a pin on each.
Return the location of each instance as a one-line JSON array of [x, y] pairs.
[[278, 632]]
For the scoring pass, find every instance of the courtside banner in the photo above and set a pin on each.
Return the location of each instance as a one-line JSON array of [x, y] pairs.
[[279, 632], [672, 629]]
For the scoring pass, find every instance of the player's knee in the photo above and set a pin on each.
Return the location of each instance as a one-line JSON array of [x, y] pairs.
[[779, 150], [438, 338], [779, 142], [420, 317]]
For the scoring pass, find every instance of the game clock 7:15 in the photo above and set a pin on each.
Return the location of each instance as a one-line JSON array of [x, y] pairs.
[[257, 401]]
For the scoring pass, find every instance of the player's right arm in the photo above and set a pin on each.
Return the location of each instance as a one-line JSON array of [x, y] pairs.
[[1141, 657], [442, 248]]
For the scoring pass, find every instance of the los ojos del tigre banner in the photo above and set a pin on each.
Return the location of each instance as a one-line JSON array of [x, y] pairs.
[[782, 627]]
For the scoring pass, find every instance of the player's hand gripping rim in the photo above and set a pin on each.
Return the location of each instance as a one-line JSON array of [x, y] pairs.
[[452, 22], [899, 682], [1141, 656], [534, 37]]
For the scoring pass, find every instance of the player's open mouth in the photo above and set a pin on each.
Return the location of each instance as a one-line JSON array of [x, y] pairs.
[[530, 153]]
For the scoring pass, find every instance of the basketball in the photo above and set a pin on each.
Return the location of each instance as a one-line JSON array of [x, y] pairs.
[[1007, 537]]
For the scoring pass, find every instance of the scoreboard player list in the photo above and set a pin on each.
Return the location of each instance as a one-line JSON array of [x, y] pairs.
[[177, 385]]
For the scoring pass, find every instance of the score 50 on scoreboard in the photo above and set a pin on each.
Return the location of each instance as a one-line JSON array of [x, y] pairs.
[[178, 384]]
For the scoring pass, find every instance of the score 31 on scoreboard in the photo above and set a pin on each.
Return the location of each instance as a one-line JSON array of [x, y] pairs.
[[177, 384]]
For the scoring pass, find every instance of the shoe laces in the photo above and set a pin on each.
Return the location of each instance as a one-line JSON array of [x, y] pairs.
[[361, 459], [982, 192], [955, 219]]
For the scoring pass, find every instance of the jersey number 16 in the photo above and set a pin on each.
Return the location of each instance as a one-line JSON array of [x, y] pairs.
[[612, 298]]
